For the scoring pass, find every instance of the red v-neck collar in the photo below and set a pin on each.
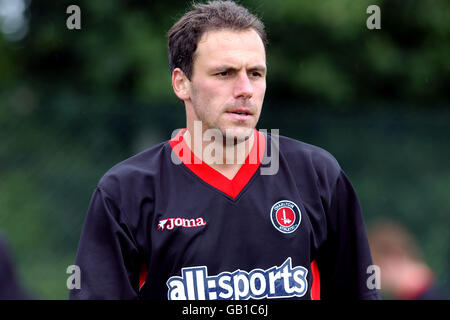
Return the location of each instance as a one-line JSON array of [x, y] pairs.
[[213, 177]]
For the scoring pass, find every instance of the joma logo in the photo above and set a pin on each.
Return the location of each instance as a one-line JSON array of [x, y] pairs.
[[171, 223]]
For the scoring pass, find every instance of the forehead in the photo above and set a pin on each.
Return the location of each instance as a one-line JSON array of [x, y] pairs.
[[229, 46]]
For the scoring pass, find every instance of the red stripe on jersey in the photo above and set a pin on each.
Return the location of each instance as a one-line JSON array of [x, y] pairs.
[[213, 177], [315, 286], [142, 275]]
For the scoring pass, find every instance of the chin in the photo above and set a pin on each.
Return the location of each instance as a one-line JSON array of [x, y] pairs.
[[238, 135]]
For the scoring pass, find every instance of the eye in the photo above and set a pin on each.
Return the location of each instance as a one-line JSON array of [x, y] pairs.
[[256, 74], [222, 74]]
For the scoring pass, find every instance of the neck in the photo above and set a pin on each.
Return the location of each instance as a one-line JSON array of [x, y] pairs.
[[224, 155]]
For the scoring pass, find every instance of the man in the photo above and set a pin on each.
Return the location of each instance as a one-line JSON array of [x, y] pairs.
[[196, 217]]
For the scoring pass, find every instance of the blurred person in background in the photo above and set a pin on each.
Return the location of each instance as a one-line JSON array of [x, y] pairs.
[[404, 273], [10, 288]]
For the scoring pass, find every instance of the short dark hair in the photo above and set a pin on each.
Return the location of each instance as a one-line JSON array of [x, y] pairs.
[[214, 15]]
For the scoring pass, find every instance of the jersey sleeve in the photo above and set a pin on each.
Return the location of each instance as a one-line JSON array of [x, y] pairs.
[[345, 256], [107, 254]]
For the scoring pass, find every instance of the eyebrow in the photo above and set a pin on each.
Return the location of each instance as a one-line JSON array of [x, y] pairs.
[[258, 67]]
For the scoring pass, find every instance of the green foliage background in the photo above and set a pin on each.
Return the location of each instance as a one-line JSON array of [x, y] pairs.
[[75, 102]]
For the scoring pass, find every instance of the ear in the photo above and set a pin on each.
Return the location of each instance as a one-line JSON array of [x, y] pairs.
[[181, 84]]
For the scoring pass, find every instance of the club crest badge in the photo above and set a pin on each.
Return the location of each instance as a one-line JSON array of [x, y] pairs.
[[285, 216]]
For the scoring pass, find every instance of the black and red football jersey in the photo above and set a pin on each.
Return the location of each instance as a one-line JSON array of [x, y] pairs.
[[164, 225]]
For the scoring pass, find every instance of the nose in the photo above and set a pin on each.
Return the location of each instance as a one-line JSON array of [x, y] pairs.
[[243, 87]]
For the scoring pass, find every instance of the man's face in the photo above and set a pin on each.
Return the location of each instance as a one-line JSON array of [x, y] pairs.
[[228, 82]]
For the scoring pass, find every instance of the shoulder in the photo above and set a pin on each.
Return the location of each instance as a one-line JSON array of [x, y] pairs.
[[301, 154], [132, 172]]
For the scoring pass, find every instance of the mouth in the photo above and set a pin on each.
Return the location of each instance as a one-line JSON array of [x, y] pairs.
[[241, 112], [240, 116]]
